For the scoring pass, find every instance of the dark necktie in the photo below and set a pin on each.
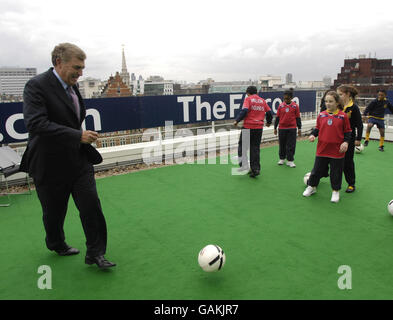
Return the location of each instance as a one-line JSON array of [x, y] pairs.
[[75, 100]]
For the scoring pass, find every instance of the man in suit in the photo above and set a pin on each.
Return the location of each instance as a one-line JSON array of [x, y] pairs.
[[59, 155]]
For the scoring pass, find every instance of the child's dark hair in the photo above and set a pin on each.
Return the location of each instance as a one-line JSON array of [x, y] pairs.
[[252, 90], [348, 89], [382, 90], [336, 97], [289, 92], [322, 104]]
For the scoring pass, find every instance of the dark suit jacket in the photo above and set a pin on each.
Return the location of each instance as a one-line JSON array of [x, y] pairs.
[[54, 152]]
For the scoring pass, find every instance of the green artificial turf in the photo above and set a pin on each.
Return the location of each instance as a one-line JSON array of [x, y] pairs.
[[278, 244]]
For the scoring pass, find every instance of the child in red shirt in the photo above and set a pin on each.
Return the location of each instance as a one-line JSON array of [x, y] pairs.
[[254, 111], [287, 119], [334, 133]]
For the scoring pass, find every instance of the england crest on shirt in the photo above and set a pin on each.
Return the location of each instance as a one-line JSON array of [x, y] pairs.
[[330, 122], [286, 109]]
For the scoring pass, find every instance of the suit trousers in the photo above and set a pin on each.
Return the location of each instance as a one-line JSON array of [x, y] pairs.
[[287, 140], [321, 166], [250, 140], [54, 201]]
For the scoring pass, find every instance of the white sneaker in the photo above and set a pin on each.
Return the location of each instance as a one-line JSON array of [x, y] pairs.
[[281, 162], [309, 191], [291, 164], [335, 196]]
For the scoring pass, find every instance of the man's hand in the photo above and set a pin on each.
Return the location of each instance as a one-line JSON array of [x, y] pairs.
[[275, 132], [344, 147], [89, 136], [364, 118], [235, 123], [311, 138], [299, 132], [268, 125]]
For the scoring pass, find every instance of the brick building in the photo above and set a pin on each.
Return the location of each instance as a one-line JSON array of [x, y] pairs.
[[368, 75], [115, 87]]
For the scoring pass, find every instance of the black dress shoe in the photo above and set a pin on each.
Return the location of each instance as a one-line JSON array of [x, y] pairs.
[[68, 251], [100, 261]]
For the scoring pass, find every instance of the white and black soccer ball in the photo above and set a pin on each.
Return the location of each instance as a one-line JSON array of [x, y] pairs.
[[306, 177], [390, 207], [359, 149], [211, 258]]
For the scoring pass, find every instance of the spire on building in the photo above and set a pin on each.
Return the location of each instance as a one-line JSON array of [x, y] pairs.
[[125, 76], [123, 62]]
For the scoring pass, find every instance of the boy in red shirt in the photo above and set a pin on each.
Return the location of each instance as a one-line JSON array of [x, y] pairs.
[[287, 119], [254, 111], [334, 133]]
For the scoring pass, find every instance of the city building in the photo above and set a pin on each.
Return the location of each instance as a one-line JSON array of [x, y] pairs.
[[208, 81], [311, 85], [327, 81], [179, 89], [115, 87], [232, 86], [288, 78], [155, 79], [158, 88], [13, 80], [90, 88], [368, 75], [138, 86], [270, 82], [119, 86]]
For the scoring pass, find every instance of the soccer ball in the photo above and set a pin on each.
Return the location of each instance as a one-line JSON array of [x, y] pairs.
[[211, 258], [359, 149], [306, 177], [390, 207]]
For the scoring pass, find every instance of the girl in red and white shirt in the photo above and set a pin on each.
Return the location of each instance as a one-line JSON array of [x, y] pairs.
[[334, 133]]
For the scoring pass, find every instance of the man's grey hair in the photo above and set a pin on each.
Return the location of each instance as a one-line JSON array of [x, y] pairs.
[[66, 51]]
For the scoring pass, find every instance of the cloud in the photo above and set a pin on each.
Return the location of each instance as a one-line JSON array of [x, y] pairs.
[[184, 41]]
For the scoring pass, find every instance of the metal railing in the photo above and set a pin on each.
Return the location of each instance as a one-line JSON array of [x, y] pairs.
[[161, 133]]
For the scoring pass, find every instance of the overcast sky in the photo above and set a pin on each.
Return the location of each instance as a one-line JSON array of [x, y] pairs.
[[194, 40]]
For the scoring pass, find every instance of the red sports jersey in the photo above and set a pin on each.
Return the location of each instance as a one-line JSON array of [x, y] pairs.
[[288, 114], [257, 109], [331, 133]]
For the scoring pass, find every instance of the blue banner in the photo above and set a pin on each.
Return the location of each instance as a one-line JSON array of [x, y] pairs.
[[126, 113]]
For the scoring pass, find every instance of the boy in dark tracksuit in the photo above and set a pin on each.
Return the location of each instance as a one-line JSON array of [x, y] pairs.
[[254, 111], [376, 115], [287, 119]]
